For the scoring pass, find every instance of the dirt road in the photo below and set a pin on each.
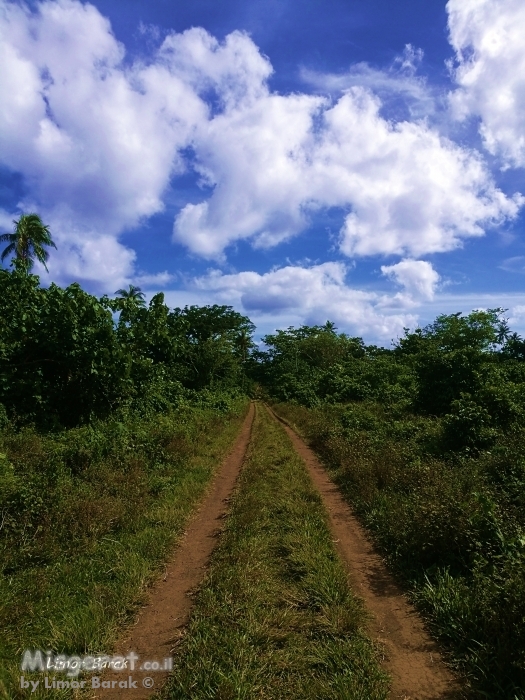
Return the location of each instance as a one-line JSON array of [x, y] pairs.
[[411, 657]]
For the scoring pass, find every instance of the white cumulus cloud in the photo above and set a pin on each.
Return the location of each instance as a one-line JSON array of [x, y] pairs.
[[161, 279], [276, 160], [488, 37], [310, 294], [411, 191], [417, 277], [96, 140], [256, 158]]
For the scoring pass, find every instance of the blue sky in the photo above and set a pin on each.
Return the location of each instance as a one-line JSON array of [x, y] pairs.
[[361, 162]]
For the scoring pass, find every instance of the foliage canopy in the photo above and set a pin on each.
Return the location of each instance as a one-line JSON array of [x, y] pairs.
[[64, 360]]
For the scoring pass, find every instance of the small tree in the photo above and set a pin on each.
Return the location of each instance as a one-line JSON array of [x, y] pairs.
[[27, 242]]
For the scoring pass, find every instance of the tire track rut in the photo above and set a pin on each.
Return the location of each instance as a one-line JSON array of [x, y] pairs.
[[412, 657], [160, 624]]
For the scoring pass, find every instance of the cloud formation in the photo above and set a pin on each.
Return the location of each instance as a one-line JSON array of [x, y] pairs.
[[514, 264], [488, 36], [276, 160], [319, 293], [417, 277], [399, 83], [99, 137], [96, 140]]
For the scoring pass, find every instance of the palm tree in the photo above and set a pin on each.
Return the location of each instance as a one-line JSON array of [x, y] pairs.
[[133, 294], [130, 303], [243, 343], [27, 242]]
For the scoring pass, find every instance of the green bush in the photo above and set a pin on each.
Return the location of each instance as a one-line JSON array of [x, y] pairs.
[[467, 426]]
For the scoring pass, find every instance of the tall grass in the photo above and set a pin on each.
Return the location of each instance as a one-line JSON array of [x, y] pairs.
[[88, 517], [452, 525]]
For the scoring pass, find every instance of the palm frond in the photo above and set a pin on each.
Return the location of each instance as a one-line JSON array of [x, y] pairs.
[[132, 292], [7, 251], [41, 255]]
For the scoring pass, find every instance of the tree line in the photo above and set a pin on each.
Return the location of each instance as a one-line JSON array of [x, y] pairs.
[[67, 357], [467, 368]]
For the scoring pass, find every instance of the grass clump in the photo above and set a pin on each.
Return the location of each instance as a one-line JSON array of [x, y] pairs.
[[88, 517], [275, 617]]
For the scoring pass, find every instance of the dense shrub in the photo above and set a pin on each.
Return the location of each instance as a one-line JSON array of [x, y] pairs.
[[59, 492]]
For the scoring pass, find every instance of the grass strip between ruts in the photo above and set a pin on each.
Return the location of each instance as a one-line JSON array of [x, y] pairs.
[[275, 617]]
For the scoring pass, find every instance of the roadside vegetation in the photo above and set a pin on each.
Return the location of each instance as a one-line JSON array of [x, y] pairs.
[[89, 517], [274, 617], [427, 442], [114, 415]]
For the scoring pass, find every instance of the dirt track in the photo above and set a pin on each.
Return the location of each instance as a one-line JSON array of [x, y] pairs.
[[161, 623], [411, 656]]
